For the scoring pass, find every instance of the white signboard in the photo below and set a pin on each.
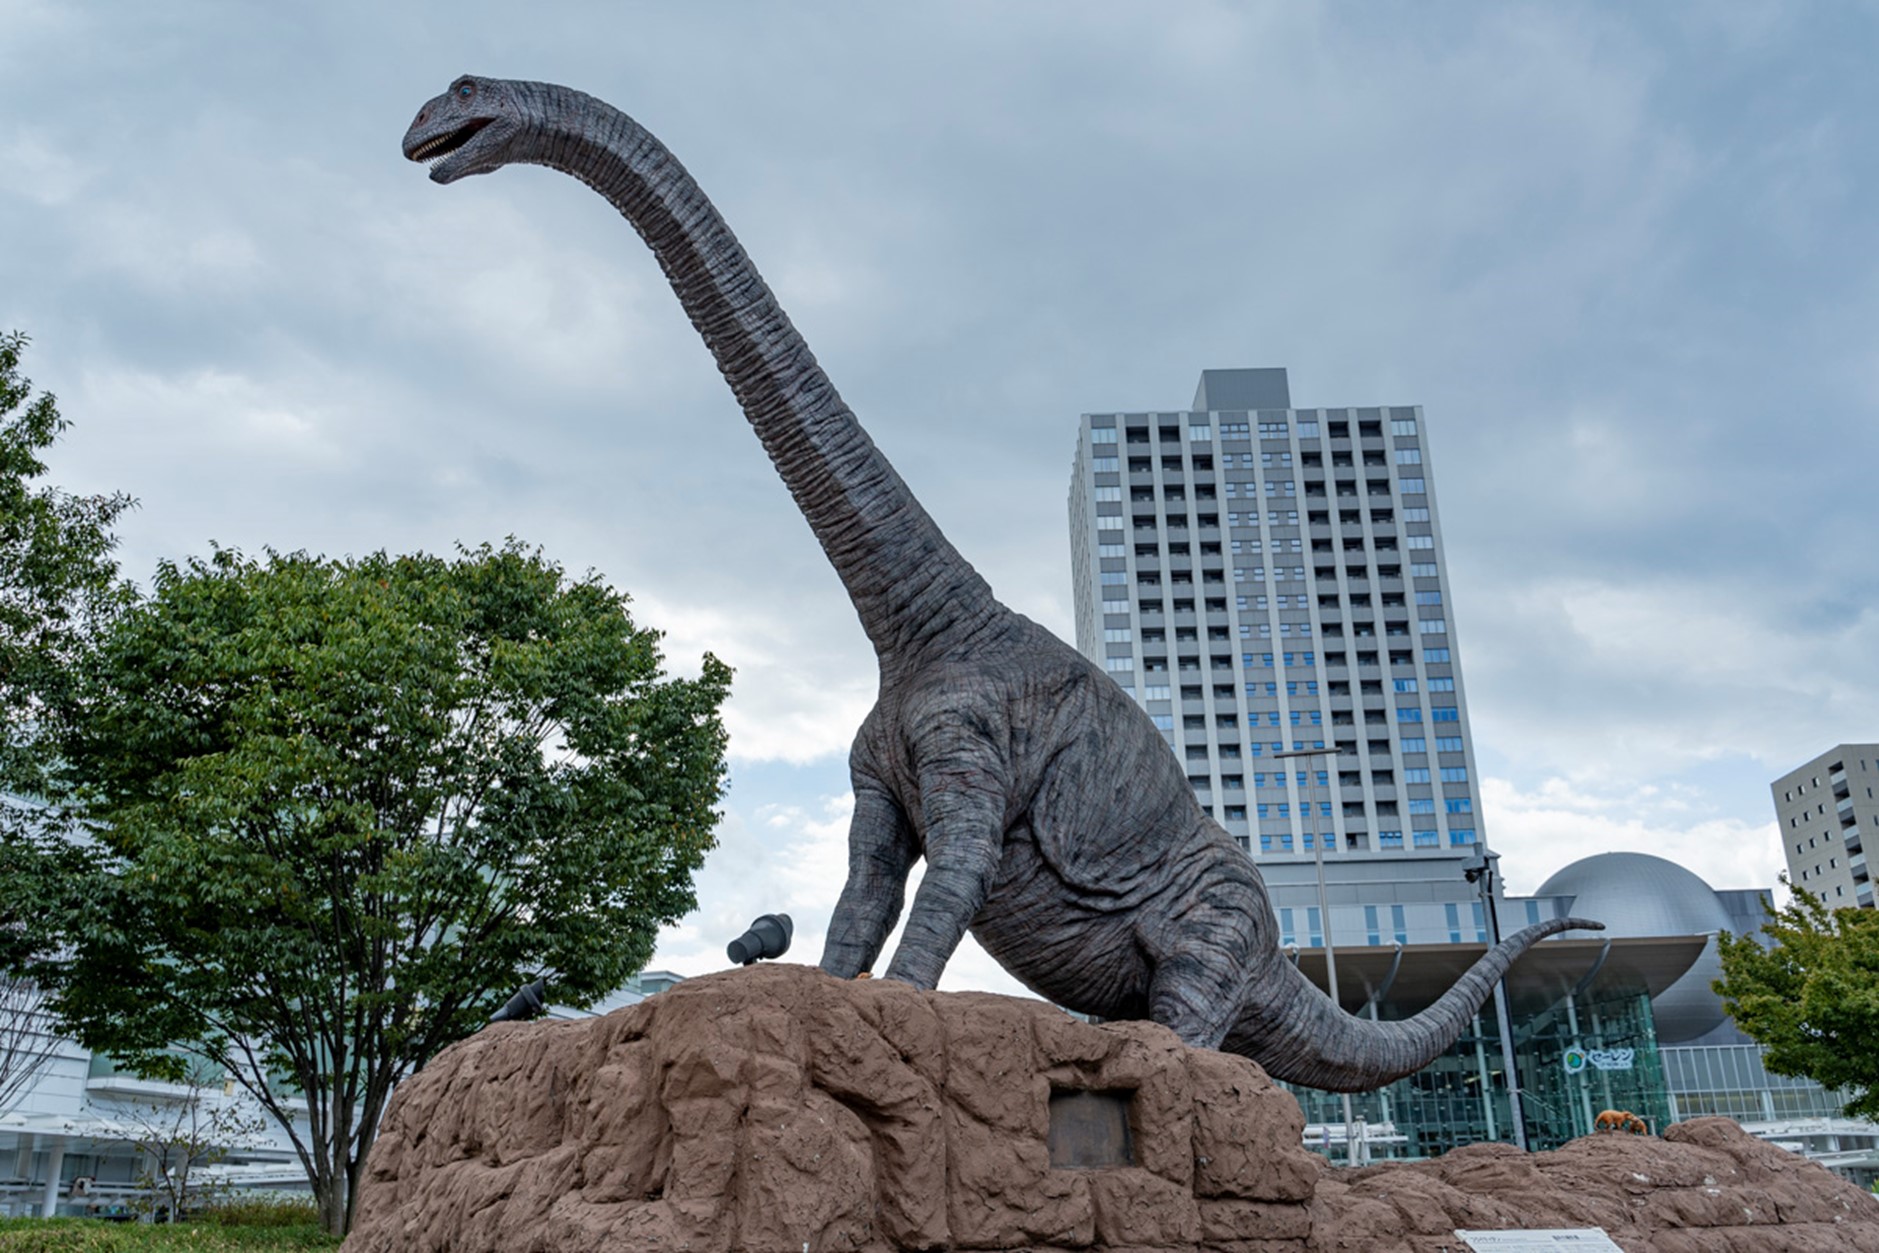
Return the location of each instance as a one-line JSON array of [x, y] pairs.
[[1577, 1240]]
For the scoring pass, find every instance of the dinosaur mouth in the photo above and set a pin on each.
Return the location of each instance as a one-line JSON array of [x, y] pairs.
[[445, 144]]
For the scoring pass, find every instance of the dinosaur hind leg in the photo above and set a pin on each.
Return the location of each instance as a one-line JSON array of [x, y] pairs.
[[1202, 961]]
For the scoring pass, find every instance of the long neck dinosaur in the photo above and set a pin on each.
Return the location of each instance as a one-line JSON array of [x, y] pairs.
[[1053, 820], [909, 585]]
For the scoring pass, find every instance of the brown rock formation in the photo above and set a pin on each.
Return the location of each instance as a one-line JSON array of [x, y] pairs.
[[777, 1109], [1706, 1187]]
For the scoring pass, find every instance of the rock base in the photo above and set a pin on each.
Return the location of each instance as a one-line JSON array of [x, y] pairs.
[[775, 1109]]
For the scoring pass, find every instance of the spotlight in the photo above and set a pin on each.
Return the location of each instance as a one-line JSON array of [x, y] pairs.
[[526, 1004], [768, 937]]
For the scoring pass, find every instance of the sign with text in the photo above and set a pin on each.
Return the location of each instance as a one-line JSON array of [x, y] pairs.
[[1559, 1240], [1577, 1060]]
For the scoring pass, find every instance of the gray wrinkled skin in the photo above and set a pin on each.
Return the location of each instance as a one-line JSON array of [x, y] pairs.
[[1054, 821]]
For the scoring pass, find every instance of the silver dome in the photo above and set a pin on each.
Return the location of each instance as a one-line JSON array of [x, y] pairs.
[[1635, 894]]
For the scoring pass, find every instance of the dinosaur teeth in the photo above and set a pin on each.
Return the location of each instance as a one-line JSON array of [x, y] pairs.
[[444, 145]]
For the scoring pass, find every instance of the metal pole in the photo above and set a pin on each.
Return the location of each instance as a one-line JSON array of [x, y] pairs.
[[1324, 918], [1514, 1112]]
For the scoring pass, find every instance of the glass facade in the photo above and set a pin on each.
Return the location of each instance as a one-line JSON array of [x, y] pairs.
[[1586, 1054], [1729, 1080]]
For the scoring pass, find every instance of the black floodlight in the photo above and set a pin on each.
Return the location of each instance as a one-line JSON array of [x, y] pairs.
[[526, 1004], [767, 937]]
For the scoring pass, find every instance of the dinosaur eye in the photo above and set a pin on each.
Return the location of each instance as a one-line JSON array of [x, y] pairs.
[[466, 91]]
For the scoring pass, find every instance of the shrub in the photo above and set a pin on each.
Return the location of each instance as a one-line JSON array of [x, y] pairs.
[[257, 1212]]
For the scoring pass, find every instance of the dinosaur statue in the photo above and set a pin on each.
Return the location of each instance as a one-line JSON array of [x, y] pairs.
[[1053, 819]]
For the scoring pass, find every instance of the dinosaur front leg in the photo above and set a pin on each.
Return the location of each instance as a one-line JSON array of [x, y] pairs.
[[881, 850], [964, 820]]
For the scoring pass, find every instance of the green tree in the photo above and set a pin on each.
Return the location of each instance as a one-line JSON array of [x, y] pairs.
[[57, 578], [1810, 996], [58, 584], [342, 809]]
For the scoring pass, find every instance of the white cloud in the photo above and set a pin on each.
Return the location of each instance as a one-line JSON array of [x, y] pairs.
[[1638, 681], [1541, 830]]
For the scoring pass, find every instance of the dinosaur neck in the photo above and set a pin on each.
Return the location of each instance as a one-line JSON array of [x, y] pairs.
[[913, 591]]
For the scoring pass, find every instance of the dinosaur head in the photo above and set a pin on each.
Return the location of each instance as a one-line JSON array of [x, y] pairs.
[[467, 130]]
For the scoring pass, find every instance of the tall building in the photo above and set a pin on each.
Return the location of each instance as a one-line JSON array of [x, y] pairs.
[[1265, 579], [1822, 808]]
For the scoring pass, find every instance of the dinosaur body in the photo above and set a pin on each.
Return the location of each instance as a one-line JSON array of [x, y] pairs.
[[1054, 821]]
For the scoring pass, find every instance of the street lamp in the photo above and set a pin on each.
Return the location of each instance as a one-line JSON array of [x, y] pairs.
[[1324, 911], [1482, 874]]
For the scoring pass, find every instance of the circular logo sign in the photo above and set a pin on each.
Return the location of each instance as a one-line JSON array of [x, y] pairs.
[[1575, 1061]]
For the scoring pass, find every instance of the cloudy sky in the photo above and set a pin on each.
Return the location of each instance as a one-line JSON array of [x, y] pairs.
[[1624, 255]]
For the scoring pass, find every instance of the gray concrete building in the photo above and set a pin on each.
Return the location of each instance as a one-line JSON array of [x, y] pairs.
[[1266, 579], [1822, 808]]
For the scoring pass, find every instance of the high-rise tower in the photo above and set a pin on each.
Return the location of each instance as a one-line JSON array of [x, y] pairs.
[[1822, 807], [1265, 579]]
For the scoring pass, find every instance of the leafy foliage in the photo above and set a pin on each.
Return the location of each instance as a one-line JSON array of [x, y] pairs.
[[58, 584], [343, 808], [1810, 997], [57, 578]]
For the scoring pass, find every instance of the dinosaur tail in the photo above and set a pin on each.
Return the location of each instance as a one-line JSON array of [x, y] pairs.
[[1299, 1035]]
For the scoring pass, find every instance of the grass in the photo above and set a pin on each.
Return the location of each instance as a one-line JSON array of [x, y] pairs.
[[89, 1235]]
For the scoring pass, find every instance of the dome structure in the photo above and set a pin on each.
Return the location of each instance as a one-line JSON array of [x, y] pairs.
[[1636, 894]]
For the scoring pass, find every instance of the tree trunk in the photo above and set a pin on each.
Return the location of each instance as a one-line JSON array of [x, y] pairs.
[[329, 1193]]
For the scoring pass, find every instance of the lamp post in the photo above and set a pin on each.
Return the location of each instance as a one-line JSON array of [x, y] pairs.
[[1324, 912], [1482, 875]]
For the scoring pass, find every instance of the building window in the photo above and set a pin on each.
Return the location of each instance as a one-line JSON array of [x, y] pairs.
[[1113, 664], [1408, 713], [1402, 426], [1460, 805], [1405, 685], [1414, 487], [1415, 744], [1422, 804], [1428, 598], [1425, 839], [1444, 713], [1417, 514], [1390, 839], [1163, 722], [1397, 923], [1103, 435], [1409, 456], [1441, 685], [1421, 570], [1435, 656], [1432, 626], [1112, 550], [1416, 774], [1454, 774], [1118, 635], [1109, 493], [1448, 743]]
